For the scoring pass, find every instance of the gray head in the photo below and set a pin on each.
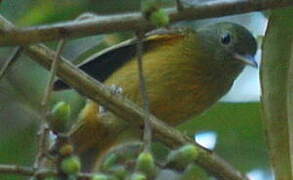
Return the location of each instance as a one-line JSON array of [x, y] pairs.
[[231, 45]]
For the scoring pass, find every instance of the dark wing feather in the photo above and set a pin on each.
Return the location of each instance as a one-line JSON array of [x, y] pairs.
[[101, 65]]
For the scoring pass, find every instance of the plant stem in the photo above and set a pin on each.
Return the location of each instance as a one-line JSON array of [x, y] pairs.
[[131, 22]]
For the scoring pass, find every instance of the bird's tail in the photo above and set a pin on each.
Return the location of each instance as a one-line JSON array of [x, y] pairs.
[[96, 132]]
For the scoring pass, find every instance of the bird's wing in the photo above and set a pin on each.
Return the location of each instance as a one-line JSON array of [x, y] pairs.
[[101, 65]]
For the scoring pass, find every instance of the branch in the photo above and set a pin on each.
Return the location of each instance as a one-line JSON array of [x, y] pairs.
[[18, 170], [147, 135], [28, 171], [290, 103], [131, 22], [10, 61], [43, 134]]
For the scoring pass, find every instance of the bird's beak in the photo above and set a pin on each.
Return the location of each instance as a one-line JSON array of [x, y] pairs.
[[247, 59]]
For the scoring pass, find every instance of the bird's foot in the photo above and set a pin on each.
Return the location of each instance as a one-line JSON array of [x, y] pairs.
[[114, 90]]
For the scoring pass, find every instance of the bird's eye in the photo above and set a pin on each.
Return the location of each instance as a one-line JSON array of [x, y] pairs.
[[226, 39]]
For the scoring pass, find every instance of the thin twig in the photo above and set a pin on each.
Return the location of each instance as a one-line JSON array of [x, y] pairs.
[[132, 22], [290, 103], [147, 135], [54, 67], [44, 129], [16, 170], [179, 5], [41, 173], [42, 144], [10, 61]]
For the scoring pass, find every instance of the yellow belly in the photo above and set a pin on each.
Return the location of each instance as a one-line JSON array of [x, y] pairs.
[[177, 87]]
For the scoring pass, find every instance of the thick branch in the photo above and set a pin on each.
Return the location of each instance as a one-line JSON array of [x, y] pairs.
[[132, 22], [18, 170], [28, 171]]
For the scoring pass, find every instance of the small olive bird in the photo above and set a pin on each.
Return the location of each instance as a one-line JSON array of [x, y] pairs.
[[186, 72]]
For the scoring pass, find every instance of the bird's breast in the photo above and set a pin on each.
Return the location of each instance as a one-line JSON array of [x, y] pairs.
[[178, 85]]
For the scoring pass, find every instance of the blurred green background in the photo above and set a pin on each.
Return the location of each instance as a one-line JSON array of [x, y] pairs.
[[240, 135]]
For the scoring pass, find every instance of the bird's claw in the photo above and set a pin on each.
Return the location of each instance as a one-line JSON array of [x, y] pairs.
[[114, 89]]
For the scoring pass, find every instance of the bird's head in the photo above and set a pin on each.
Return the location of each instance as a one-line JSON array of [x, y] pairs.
[[230, 44]]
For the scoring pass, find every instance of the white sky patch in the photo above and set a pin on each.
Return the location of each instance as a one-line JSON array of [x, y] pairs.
[[52, 138], [247, 86], [207, 139], [258, 174]]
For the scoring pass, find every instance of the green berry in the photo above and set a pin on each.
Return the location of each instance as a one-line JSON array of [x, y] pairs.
[[59, 117], [148, 6], [193, 172], [145, 163], [119, 171], [159, 18], [103, 177], [181, 157], [100, 177], [66, 150], [70, 165], [138, 176], [50, 178]]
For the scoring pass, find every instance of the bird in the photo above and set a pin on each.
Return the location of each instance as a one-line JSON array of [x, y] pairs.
[[186, 72]]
